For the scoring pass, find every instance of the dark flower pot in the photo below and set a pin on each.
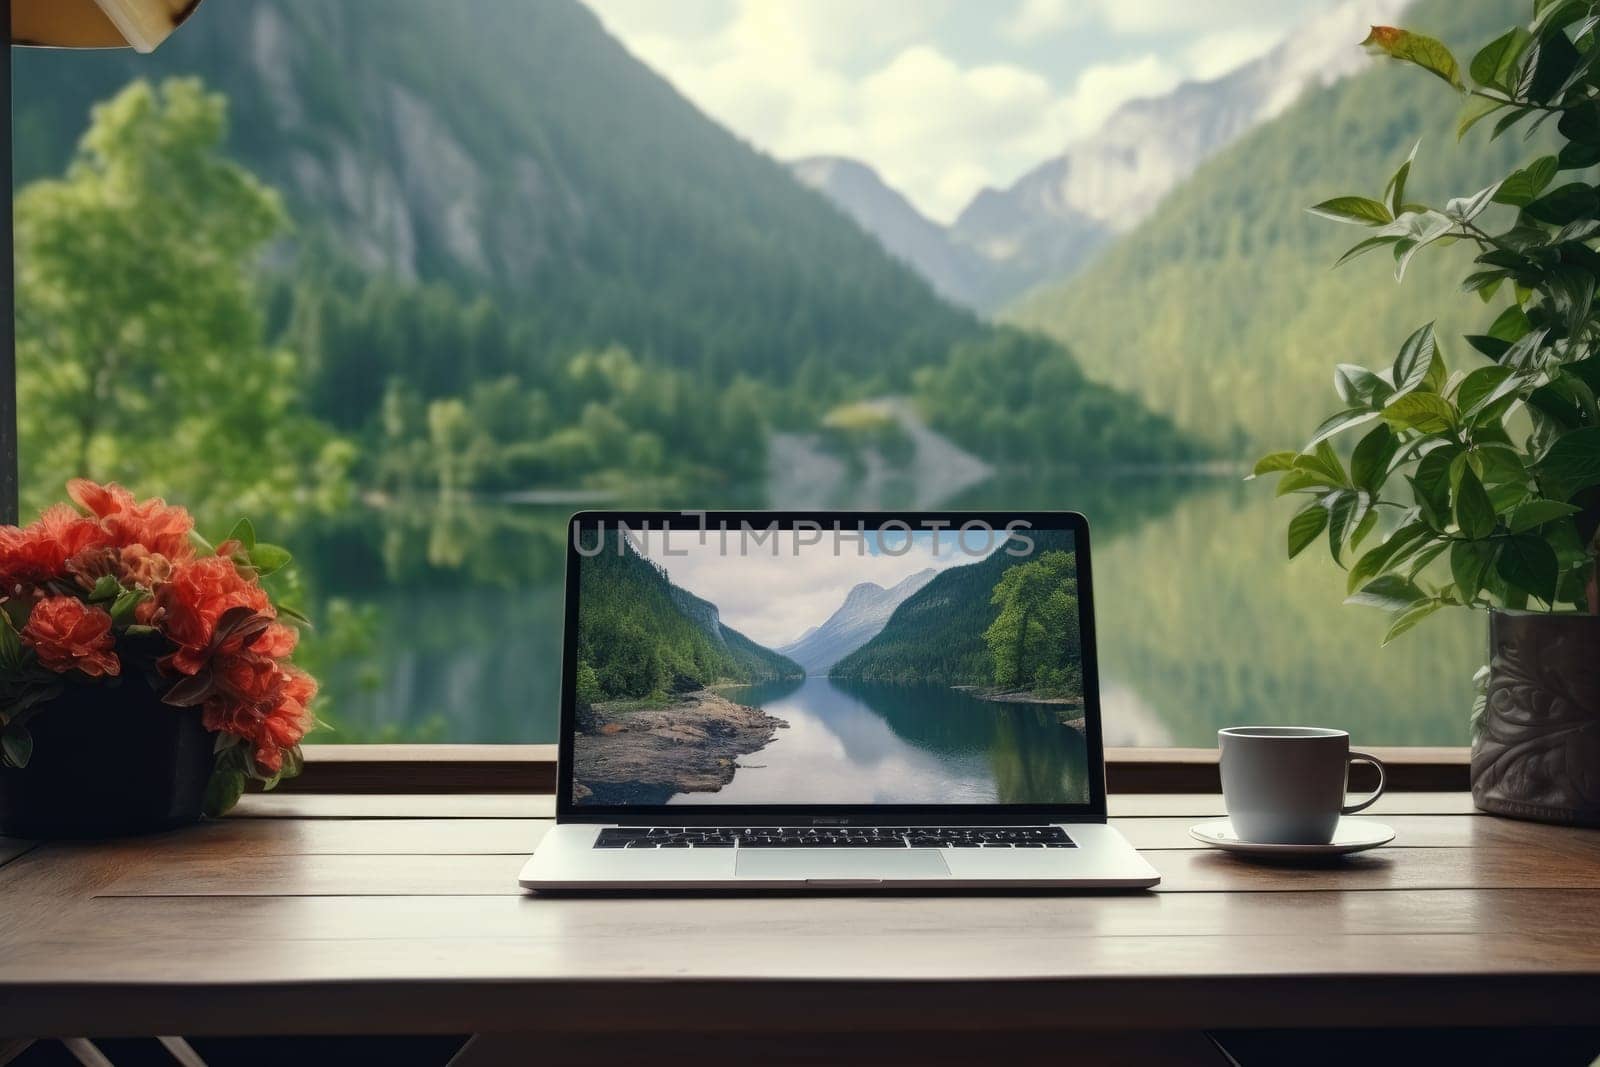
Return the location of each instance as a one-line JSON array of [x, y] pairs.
[[1537, 751], [107, 761]]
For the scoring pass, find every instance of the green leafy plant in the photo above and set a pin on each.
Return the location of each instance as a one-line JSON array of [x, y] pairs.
[[1480, 485]]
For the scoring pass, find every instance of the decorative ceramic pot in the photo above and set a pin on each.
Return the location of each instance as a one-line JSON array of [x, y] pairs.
[[107, 761], [1537, 751]]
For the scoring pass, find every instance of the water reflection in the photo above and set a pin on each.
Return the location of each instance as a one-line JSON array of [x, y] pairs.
[[1202, 622], [855, 743]]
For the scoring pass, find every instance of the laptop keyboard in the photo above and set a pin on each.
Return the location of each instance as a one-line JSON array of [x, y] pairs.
[[834, 837]]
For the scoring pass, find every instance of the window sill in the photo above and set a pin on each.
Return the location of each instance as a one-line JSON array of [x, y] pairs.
[[532, 769]]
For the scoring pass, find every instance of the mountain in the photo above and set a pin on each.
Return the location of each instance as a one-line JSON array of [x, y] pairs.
[[1222, 310], [519, 258], [523, 154], [936, 635], [865, 610], [641, 636], [750, 661], [1049, 223], [956, 273]]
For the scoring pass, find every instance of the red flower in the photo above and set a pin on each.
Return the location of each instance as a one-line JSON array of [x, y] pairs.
[[262, 702], [198, 593], [277, 641], [67, 634], [32, 555], [162, 530]]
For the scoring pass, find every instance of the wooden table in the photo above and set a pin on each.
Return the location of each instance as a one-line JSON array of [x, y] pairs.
[[384, 914]]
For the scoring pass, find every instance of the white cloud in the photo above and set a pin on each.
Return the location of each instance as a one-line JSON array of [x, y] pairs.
[[1216, 54], [770, 592], [1166, 16], [1104, 87], [878, 82], [1035, 18]]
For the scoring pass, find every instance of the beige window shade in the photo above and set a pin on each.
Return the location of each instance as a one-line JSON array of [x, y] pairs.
[[137, 24]]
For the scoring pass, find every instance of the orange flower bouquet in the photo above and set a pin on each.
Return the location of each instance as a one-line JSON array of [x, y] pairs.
[[118, 616]]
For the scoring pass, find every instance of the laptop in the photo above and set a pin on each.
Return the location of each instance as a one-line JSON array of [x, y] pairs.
[[830, 700]]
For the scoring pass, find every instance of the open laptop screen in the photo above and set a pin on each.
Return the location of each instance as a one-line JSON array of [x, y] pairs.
[[829, 661]]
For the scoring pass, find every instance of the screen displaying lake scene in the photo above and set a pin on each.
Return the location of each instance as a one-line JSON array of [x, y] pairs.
[[834, 666], [408, 283]]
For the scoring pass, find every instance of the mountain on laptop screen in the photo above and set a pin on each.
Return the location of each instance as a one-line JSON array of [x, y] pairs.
[[791, 667]]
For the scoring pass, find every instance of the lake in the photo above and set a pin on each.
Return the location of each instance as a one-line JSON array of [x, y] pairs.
[[856, 743], [443, 623]]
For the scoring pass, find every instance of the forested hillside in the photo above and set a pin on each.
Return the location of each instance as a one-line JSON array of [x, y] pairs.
[[639, 636], [1223, 310], [516, 258], [938, 634]]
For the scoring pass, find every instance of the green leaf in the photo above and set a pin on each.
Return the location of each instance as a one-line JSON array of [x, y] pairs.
[[1511, 325], [1357, 209], [1431, 484], [1467, 208], [1528, 563], [244, 533], [1563, 204], [202, 546], [1469, 563], [1538, 512], [1369, 463], [1297, 481], [269, 558], [1549, 63], [1510, 119], [1395, 191], [286, 612], [1322, 461], [1495, 60], [1376, 560], [1389, 591], [1524, 185], [1359, 387], [1339, 422], [223, 790], [1345, 509], [1306, 526], [1571, 464], [1426, 52], [10, 645], [106, 587], [1424, 412], [1272, 461], [126, 601], [1412, 615], [1474, 514], [1363, 247], [1363, 528], [1420, 229], [1478, 385], [17, 744], [1412, 362], [1476, 110]]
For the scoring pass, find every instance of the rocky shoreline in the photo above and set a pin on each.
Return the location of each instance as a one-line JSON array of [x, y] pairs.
[[646, 755], [1023, 696]]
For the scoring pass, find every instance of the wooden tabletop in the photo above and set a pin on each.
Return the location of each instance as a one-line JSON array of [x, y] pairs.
[[355, 914]]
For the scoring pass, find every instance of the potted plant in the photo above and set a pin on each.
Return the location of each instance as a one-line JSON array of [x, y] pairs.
[[144, 674], [1478, 485]]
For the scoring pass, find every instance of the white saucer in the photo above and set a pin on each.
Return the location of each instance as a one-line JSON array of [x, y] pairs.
[[1351, 835]]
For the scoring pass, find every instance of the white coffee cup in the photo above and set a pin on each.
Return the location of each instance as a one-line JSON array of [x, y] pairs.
[[1285, 785]]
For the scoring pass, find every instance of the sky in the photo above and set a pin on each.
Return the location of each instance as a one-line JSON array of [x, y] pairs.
[[772, 593], [941, 97]]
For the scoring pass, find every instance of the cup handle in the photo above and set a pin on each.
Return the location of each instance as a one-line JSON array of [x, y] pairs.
[[1363, 757]]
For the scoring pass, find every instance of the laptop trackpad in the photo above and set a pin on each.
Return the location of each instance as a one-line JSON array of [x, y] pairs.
[[845, 865]]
